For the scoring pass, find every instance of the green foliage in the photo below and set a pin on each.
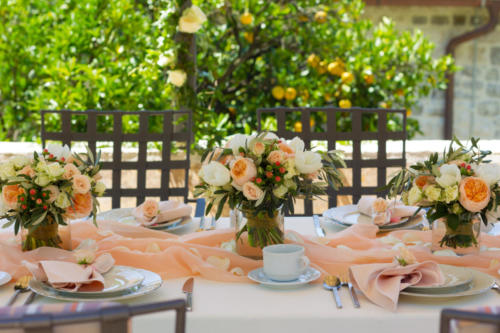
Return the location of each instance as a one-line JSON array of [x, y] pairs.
[[99, 54]]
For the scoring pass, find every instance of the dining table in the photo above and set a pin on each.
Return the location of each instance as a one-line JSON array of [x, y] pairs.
[[251, 307]]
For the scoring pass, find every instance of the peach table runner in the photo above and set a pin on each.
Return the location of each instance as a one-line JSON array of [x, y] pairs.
[[201, 254]]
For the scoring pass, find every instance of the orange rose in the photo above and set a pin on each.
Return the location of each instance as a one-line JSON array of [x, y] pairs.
[[82, 206], [70, 170], [252, 191], [423, 180], [242, 170], [150, 208], [286, 148], [10, 194], [474, 194], [81, 184], [28, 171], [258, 148], [276, 156]]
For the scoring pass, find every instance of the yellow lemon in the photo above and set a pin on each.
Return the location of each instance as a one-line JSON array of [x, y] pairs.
[[278, 92], [408, 112], [320, 17], [305, 95], [369, 78], [335, 68], [322, 67], [297, 126], [347, 77], [385, 105], [290, 94], [303, 18], [313, 60], [312, 123], [248, 36], [328, 97], [246, 18], [345, 103]]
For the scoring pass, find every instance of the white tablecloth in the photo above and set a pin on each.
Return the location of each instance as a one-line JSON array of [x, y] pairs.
[[249, 308]]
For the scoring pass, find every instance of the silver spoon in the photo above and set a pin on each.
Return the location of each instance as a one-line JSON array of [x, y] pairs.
[[333, 283]]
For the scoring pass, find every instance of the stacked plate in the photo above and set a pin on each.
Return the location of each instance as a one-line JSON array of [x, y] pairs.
[[349, 215], [124, 215], [459, 281], [121, 282]]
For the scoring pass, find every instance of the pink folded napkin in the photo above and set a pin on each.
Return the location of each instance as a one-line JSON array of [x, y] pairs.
[[150, 212], [397, 209], [381, 283], [71, 276]]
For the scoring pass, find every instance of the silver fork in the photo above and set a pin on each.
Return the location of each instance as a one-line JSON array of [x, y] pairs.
[[344, 280], [496, 287]]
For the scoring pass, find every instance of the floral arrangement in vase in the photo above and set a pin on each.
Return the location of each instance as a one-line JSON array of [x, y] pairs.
[[460, 189], [261, 176], [41, 192]]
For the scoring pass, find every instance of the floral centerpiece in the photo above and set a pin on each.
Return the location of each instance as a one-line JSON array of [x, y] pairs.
[[460, 189], [40, 193], [261, 176]]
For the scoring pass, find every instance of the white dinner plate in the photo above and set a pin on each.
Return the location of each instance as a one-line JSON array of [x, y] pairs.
[[480, 283], [4, 278], [309, 275], [349, 215], [455, 279], [151, 282], [118, 279], [124, 215]]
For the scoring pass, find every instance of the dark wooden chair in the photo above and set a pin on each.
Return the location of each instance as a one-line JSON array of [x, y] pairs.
[[169, 131], [331, 126], [449, 315], [111, 318]]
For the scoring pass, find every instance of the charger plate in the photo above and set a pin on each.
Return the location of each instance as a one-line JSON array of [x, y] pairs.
[[480, 283], [124, 215], [349, 215], [151, 282]]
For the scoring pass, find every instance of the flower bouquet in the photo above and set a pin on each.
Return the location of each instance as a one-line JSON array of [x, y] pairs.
[[260, 177], [460, 189], [40, 193]]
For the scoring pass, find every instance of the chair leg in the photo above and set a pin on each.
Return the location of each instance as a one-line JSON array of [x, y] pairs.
[[180, 320]]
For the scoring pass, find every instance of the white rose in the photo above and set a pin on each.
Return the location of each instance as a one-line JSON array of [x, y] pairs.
[[54, 170], [191, 20], [450, 175], [490, 173], [433, 193], [7, 170], [165, 59], [42, 180], [100, 188], [297, 145], [271, 136], [20, 161], [59, 151], [280, 191], [308, 162], [237, 141], [414, 196], [451, 193], [62, 201], [177, 77], [216, 174]]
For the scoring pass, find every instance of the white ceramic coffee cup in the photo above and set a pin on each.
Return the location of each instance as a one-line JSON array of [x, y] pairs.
[[284, 262]]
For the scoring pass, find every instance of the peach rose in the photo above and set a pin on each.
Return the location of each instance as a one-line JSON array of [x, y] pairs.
[[28, 171], [474, 194], [10, 194], [423, 180], [54, 192], [380, 205], [258, 148], [312, 176], [97, 176], [70, 170], [276, 156], [252, 191], [82, 206], [150, 208], [284, 147], [242, 170], [81, 184]]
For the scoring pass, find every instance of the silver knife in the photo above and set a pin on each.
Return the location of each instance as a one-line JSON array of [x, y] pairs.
[[30, 298], [187, 289], [317, 226]]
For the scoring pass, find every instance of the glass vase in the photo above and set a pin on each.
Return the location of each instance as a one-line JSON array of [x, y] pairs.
[[256, 230], [44, 234], [463, 239]]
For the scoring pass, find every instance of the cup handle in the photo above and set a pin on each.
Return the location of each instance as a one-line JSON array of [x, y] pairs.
[[304, 263]]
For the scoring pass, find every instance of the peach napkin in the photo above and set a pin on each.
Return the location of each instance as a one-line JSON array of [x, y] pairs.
[[397, 209], [167, 211], [71, 276], [381, 283]]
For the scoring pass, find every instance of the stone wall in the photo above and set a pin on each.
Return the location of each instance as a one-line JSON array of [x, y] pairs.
[[477, 85]]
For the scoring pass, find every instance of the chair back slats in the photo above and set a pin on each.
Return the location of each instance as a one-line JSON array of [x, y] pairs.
[[333, 135], [473, 317], [176, 127]]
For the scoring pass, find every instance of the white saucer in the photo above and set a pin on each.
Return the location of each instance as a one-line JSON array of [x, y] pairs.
[[309, 275], [4, 278]]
